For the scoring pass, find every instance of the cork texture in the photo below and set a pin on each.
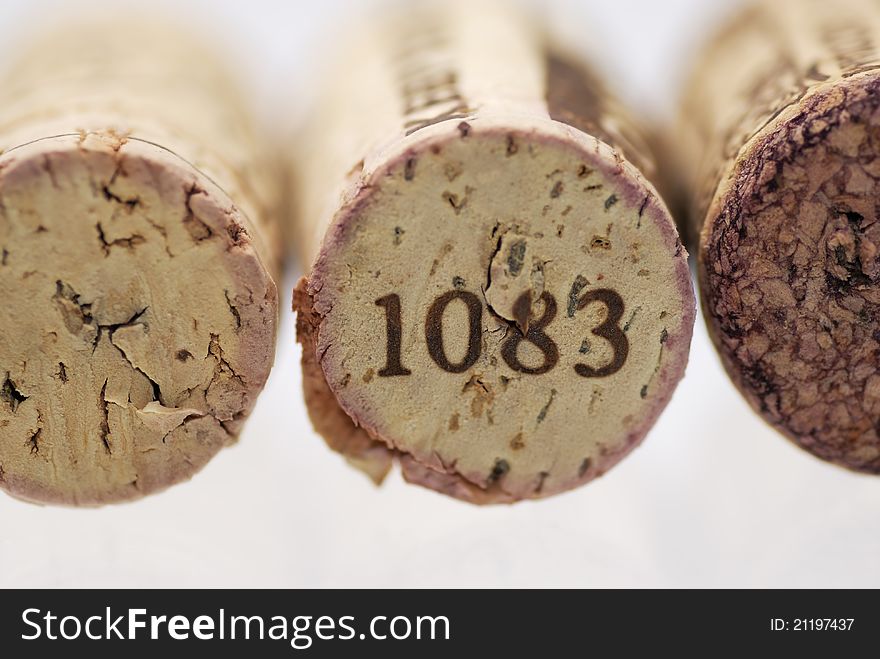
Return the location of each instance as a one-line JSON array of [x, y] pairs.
[[140, 308], [499, 300], [784, 200]]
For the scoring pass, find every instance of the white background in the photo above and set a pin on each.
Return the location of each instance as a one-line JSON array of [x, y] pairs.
[[712, 498]]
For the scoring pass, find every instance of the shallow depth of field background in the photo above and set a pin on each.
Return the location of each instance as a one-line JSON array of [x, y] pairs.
[[712, 498]]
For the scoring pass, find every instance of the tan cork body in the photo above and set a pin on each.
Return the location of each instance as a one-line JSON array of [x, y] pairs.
[[497, 297], [780, 126], [139, 308]]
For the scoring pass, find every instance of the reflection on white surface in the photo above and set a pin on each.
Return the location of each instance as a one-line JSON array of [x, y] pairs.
[[712, 498]]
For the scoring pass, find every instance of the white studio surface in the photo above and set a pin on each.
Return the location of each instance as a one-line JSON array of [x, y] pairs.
[[713, 498]]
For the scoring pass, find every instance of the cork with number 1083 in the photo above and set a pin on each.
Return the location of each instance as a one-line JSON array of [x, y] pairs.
[[497, 297]]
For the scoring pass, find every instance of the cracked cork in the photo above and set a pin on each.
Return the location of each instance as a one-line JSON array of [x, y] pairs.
[[139, 307], [498, 227], [789, 246]]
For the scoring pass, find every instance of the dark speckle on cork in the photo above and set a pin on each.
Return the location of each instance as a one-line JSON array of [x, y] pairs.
[[458, 283], [642, 211], [453, 200], [542, 476], [600, 242], [574, 294], [610, 201], [584, 468], [398, 234], [454, 422], [512, 146], [409, 169], [515, 257], [543, 413], [499, 470], [644, 392], [464, 129], [584, 171], [557, 190]]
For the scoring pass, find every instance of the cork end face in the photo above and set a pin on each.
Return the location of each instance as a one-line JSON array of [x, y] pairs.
[[507, 310], [790, 269], [138, 323]]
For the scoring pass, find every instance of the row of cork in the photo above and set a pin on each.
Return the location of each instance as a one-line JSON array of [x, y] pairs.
[[496, 297]]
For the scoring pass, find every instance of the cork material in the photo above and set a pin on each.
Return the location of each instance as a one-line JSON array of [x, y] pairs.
[[499, 300], [788, 243], [139, 309]]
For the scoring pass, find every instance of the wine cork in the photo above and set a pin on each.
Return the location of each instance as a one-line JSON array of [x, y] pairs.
[[137, 257], [497, 296], [781, 124]]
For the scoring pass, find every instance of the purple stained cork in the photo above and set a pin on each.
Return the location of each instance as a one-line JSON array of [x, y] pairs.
[[781, 129]]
